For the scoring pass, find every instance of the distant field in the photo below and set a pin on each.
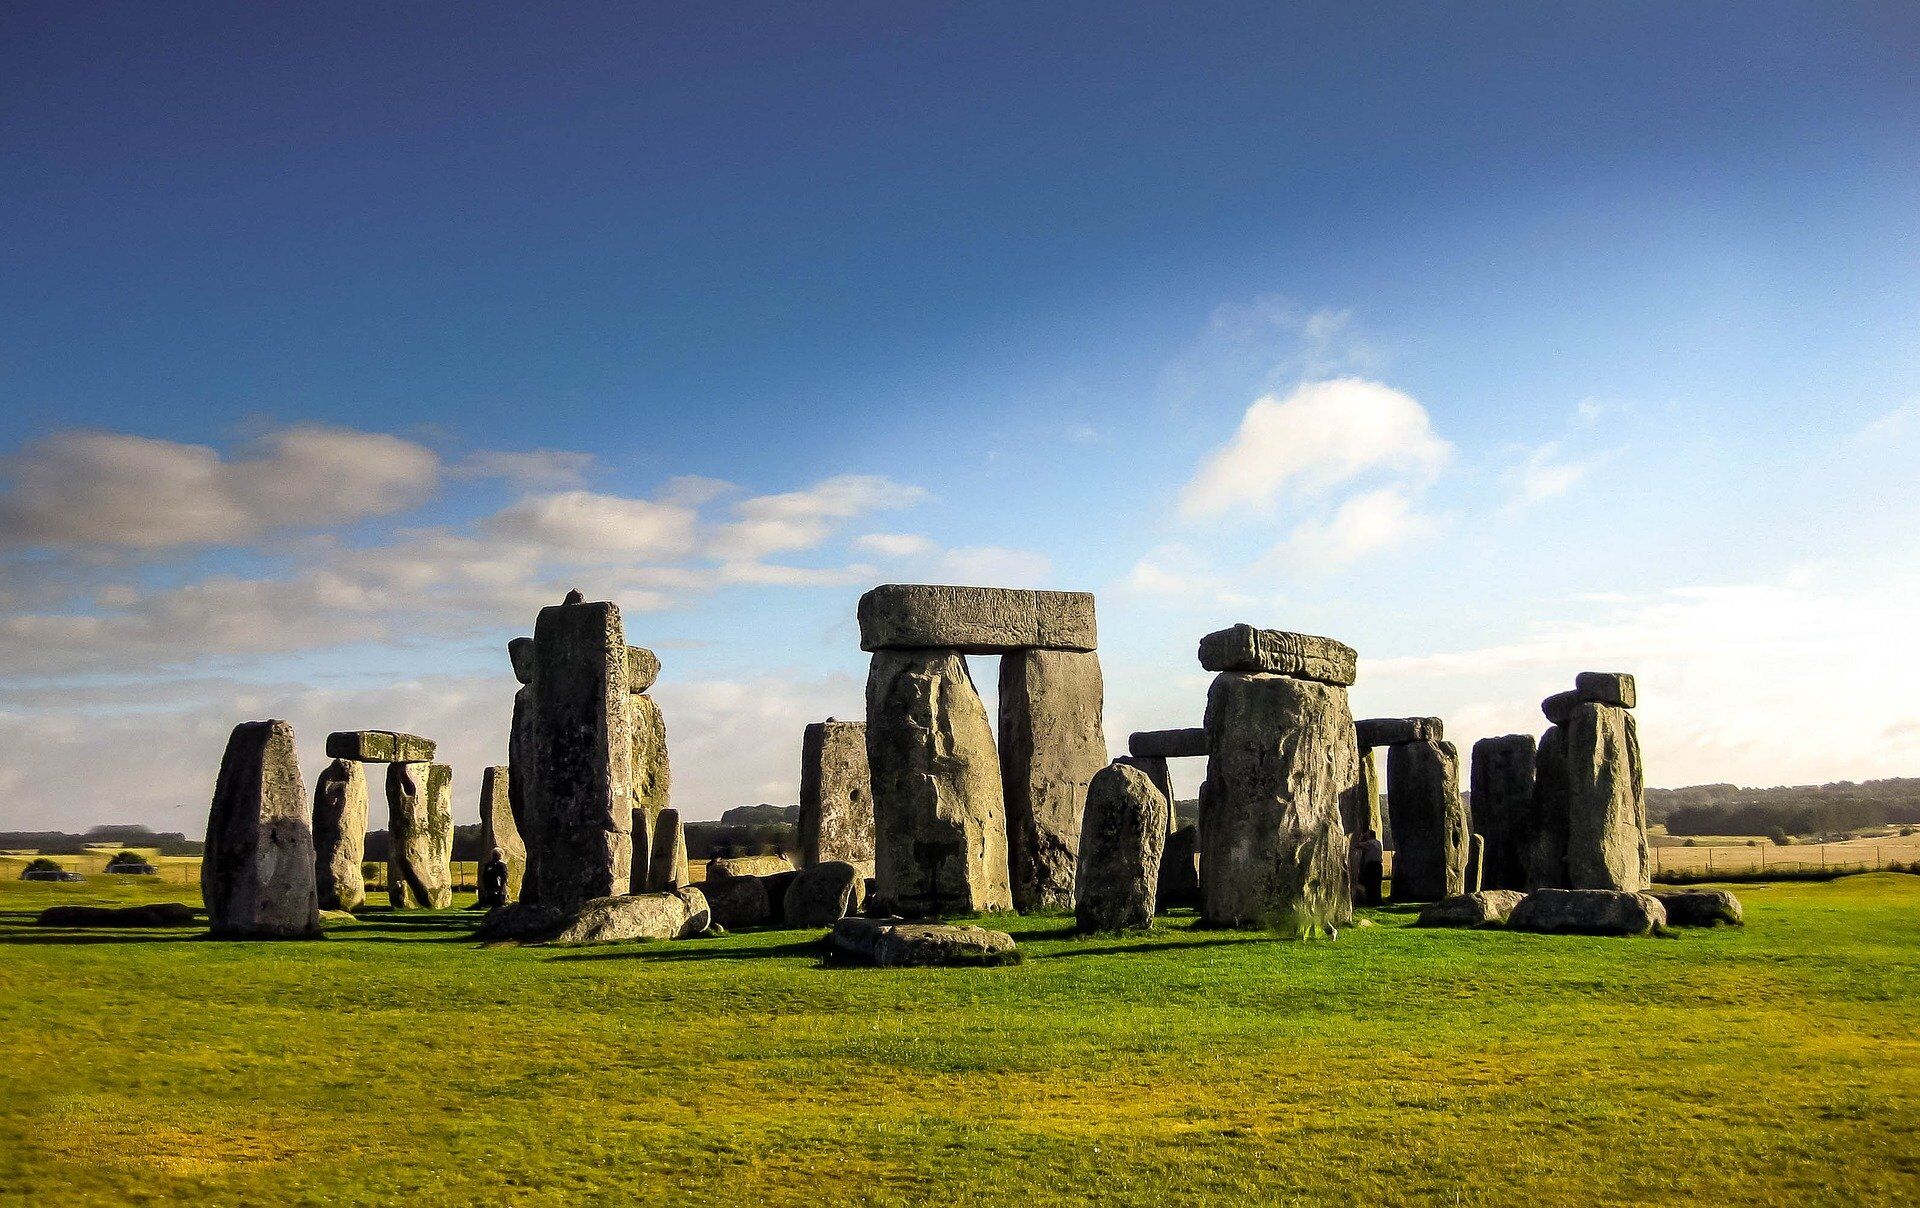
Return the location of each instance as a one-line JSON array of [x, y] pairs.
[[1743, 853], [396, 1061], [185, 870]]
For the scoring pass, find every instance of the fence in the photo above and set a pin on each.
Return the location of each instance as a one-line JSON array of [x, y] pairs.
[[1765, 857]]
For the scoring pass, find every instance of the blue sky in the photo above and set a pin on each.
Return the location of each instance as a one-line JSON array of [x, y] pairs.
[[1499, 341]]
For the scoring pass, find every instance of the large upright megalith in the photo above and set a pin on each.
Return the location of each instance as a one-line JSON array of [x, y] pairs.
[[523, 750], [1502, 790], [1281, 758], [497, 829], [1547, 840], [667, 862], [579, 795], [1430, 831], [340, 835], [1122, 837], [1606, 802], [419, 836], [649, 780], [1052, 744], [940, 832], [835, 821], [257, 873]]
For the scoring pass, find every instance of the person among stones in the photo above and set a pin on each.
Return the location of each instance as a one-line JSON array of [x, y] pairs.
[[493, 879], [1369, 868]]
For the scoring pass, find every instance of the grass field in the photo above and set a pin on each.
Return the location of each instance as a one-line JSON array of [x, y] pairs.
[[395, 1060]]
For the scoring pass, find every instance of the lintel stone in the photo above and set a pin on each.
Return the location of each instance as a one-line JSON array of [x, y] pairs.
[[1606, 688], [1167, 744], [1273, 651], [975, 620], [1559, 707], [1392, 731], [379, 746]]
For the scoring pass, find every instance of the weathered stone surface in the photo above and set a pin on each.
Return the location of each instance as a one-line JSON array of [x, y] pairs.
[[1168, 744], [1606, 801], [1360, 804], [419, 836], [1547, 841], [894, 943], [679, 914], [650, 780], [835, 821], [1429, 821], [1281, 755], [1559, 707], [340, 835], [975, 620], [1390, 731], [1157, 771], [581, 794], [1052, 744], [1476, 863], [822, 894], [520, 654], [1180, 869], [1503, 807], [667, 869], [777, 884], [523, 921], [1122, 837], [155, 914], [643, 669], [257, 874], [497, 828], [523, 748], [379, 746], [1588, 912], [1606, 688], [1487, 907], [1275, 651], [1701, 908], [721, 867], [641, 866], [940, 831], [737, 902]]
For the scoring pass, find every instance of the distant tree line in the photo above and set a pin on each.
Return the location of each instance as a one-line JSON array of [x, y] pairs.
[[1725, 809], [60, 843]]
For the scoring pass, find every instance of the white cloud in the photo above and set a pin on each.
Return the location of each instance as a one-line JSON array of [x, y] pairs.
[[1544, 475], [1177, 572], [81, 488], [1892, 427], [801, 520], [583, 522], [894, 545], [1365, 525], [1320, 435], [535, 468]]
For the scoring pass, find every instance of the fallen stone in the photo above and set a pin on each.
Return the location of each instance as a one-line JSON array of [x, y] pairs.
[[1243, 648], [1487, 907], [896, 943], [1588, 912], [667, 868], [157, 914], [1122, 838], [721, 867], [1052, 744], [497, 828], [940, 832], [1180, 870], [581, 794], [419, 836], [681, 914], [1701, 908], [379, 746], [1502, 791], [1390, 731], [340, 835], [257, 873], [1272, 851], [975, 620], [1559, 707], [520, 654], [737, 902], [1606, 688], [526, 922], [1168, 744], [822, 894], [1606, 800], [835, 822], [643, 669], [1429, 820]]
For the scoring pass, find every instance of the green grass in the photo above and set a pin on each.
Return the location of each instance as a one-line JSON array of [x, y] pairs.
[[395, 1060]]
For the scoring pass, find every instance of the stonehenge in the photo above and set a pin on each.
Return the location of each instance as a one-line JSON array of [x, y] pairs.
[[1589, 812], [579, 803], [835, 820], [1430, 834], [498, 832], [1588, 912], [419, 835], [650, 782], [379, 746], [1122, 837], [522, 750], [1052, 745], [898, 943], [257, 873], [1149, 750], [1501, 785], [974, 620], [340, 835]]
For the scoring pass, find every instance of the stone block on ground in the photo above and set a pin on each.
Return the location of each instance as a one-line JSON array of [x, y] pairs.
[[1245, 649], [1488, 907], [822, 894], [1606, 688], [721, 867], [975, 620], [835, 820], [737, 902], [379, 746], [257, 873], [1122, 838], [1052, 744], [1168, 744], [1588, 912], [898, 943], [340, 835], [1391, 731], [1701, 908]]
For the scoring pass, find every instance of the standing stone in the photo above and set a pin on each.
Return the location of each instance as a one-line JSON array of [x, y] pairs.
[[940, 832], [651, 780], [580, 796], [257, 874], [1052, 745], [1476, 863], [1360, 804], [1429, 821], [1180, 869], [1156, 768], [340, 835], [497, 828], [836, 796], [1122, 837], [523, 749], [667, 868], [1547, 844], [419, 836], [1502, 786], [1606, 802], [822, 894], [1281, 756]]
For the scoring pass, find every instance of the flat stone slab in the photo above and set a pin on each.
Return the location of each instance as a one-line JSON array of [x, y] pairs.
[[158, 914], [379, 746], [1701, 908], [1559, 707], [738, 902], [1606, 688], [1392, 731], [643, 668], [1486, 908], [896, 943], [679, 914], [975, 620], [721, 867], [1168, 744], [1277, 652], [1588, 912]]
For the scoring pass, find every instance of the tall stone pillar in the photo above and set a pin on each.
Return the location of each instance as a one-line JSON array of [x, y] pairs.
[[1502, 780], [1606, 802], [581, 792], [523, 752], [1430, 833], [257, 873], [667, 869], [419, 836], [1547, 845], [340, 835], [498, 830], [1360, 806], [1123, 837], [1281, 757], [836, 796], [1051, 745]]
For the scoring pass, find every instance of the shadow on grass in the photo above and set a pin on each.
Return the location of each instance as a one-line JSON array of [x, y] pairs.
[[1209, 941], [686, 950], [145, 935]]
